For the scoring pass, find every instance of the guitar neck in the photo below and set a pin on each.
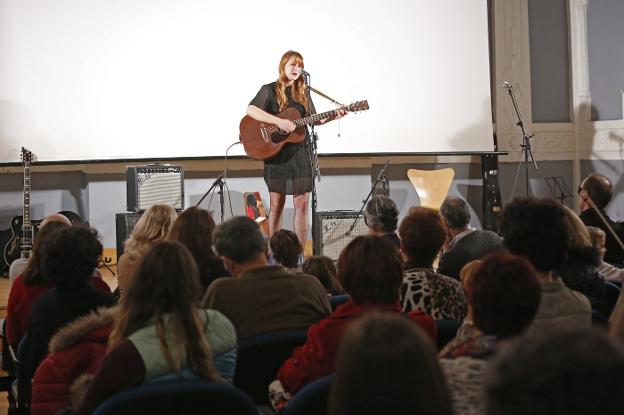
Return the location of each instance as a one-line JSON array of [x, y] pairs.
[[311, 119], [26, 209]]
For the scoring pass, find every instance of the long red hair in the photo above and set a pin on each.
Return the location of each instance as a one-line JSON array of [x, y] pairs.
[[299, 93]]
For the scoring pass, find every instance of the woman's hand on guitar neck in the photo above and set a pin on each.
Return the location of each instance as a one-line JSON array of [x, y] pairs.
[[285, 125]]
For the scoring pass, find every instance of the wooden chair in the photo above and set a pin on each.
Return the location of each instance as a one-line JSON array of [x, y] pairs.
[[432, 186]]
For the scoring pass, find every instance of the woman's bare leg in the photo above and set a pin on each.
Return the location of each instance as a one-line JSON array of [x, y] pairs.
[[301, 217], [276, 212]]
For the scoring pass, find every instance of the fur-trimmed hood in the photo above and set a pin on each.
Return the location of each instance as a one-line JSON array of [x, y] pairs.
[[94, 326]]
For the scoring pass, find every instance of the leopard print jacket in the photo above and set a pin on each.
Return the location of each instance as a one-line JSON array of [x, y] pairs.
[[439, 296]]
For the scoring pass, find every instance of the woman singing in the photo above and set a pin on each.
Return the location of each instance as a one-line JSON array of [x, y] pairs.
[[290, 171]]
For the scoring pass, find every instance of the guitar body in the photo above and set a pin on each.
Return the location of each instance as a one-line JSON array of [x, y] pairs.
[[13, 247], [259, 148]]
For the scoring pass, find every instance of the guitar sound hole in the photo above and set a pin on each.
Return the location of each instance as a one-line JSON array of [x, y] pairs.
[[278, 136]]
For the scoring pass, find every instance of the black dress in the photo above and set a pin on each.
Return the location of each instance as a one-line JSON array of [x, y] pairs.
[[289, 172]]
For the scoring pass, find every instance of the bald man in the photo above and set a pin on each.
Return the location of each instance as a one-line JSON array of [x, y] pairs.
[[597, 188], [19, 265]]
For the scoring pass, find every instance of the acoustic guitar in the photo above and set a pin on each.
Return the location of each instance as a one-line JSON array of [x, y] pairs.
[[263, 141]]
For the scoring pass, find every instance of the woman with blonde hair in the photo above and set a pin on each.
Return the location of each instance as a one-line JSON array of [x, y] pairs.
[[153, 227], [160, 331]]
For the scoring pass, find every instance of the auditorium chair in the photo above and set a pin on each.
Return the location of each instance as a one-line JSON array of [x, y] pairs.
[[260, 357], [432, 186], [337, 300], [446, 330], [179, 397], [312, 399], [613, 293]]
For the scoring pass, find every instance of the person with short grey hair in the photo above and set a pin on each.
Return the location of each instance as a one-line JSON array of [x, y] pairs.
[[381, 216], [463, 243], [260, 297]]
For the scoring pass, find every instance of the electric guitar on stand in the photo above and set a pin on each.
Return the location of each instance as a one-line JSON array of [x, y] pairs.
[[20, 244], [263, 141]]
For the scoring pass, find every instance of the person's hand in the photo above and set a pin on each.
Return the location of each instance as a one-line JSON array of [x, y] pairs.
[[339, 113], [286, 125]]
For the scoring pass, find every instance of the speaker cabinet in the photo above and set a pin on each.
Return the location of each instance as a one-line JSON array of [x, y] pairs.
[[154, 185], [124, 224], [331, 231], [491, 192]]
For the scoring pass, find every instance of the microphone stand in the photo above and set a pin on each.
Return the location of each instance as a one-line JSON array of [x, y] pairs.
[[526, 139], [381, 178], [556, 184], [218, 182], [313, 156]]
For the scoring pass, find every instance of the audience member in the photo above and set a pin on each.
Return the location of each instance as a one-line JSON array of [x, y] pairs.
[[19, 265], [537, 230], [75, 351], [369, 269], [463, 243], [286, 248], [597, 188], [261, 298], [153, 227], [193, 228], [503, 297], [323, 268], [422, 235], [377, 376], [161, 332], [608, 271], [570, 373], [579, 270], [381, 217], [69, 259]]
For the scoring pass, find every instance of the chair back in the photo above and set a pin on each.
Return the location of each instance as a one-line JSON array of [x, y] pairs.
[[599, 319], [336, 300], [446, 330], [312, 399], [260, 357], [432, 186], [179, 397], [613, 293]]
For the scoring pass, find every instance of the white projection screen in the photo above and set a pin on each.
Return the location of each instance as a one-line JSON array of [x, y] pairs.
[[146, 79]]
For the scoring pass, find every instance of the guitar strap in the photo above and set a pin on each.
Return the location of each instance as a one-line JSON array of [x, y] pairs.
[[316, 91]]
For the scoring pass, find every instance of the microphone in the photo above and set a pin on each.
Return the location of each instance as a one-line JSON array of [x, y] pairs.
[[506, 84], [303, 72]]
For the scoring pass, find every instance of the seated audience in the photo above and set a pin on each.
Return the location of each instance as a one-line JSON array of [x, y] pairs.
[[261, 298], [161, 332], [537, 230], [579, 270], [377, 376], [597, 189], [422, 235], [193, 228], [323, 268], [606, 270], [75, 353], [369, 269], [381, 216], [463, 244], [286, 248], [29, 285], [570, 373], [19, 265], [153, 227], [503, 297], [69, 259]]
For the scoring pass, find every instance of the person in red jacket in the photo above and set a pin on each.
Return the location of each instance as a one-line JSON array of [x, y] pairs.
[[370, 271], [76, 351]]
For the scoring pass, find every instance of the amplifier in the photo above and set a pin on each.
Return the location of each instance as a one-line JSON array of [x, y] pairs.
[[124, 224], [154, 185], [330, 231]]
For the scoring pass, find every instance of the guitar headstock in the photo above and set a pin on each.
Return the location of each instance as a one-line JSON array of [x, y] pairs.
[[26, 156], [358, 106]]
